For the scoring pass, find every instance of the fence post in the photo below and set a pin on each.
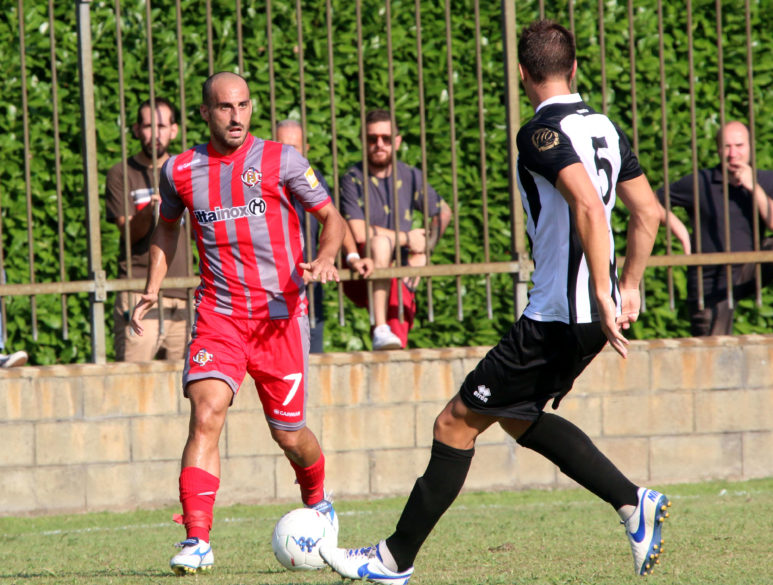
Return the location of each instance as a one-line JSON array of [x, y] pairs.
[[518, 237], [90, 180]]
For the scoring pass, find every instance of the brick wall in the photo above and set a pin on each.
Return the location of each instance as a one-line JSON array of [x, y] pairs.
[[89, 437]]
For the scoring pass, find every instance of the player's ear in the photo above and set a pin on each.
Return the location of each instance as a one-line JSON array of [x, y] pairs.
[[522, 72], [574, 71], [173, 131], [204, 111]]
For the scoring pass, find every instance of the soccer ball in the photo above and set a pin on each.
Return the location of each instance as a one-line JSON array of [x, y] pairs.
[[297, 537]]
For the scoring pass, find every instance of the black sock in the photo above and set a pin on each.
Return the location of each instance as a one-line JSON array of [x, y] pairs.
[[433, 493], [575, 454]]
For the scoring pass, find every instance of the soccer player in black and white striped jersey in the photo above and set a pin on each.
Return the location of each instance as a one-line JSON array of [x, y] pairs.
[[572, 164]]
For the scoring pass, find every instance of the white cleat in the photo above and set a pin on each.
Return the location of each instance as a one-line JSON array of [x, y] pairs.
[[196, 556], [643, 529], [363, 563]]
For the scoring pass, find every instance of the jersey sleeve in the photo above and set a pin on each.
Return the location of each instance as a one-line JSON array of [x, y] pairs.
[[114, 194], [629, 163], [545, 150], [351, 196], [301, 180], [172, 206]]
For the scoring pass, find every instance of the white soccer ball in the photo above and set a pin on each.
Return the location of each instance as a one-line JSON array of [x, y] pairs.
[[297, 537]]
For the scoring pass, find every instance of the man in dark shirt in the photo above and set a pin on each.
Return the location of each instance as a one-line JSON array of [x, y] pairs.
[[733, 144], [385, 230], [142, 201]]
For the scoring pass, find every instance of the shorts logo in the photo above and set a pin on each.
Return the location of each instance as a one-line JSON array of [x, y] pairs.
[[544, 139], [482, 393], [311, 178], [202, 357], [285, 413], [251, 177]]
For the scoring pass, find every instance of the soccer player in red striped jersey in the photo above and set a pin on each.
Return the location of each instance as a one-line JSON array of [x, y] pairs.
[[251, 308]]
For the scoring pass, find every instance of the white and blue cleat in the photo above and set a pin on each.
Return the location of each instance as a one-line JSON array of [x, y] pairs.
[[196, 556], [325, 507], [363, 563], [644, 530]]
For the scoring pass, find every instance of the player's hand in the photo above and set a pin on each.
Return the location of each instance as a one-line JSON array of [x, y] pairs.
[[417, 241], [363, 266], [610, 326], [146, 302], [631, 305], [322, 269]]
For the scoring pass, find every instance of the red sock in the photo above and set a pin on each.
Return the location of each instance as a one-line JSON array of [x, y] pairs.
[[197, 495], [312, 480]]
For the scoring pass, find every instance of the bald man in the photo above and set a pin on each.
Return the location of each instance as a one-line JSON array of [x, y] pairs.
[[251, 307], [733, 145]]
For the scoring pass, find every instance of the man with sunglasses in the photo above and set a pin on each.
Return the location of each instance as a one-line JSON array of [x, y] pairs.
[[383, 230]]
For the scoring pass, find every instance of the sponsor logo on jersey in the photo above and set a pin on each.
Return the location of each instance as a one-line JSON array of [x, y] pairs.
[[482, 393], [252, 177], [255, 207], [311, 178], [192, 162], [203, 357], [544, 139]]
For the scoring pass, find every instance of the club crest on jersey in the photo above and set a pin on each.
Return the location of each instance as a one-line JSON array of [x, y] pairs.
[[544, 139], [252, 177], [311, 178], [203, 357]]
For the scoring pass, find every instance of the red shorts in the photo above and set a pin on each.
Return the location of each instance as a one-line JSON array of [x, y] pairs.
[[274, 352]]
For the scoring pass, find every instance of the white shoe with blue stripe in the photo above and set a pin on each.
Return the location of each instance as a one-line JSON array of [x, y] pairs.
[[196, 556], [363, 563], [644, 530]]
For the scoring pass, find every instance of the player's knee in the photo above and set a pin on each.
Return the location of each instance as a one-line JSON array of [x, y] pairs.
[[289, 441]]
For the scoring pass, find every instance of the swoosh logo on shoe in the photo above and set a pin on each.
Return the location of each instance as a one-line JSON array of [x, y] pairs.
[[638, 536], [363, 572]]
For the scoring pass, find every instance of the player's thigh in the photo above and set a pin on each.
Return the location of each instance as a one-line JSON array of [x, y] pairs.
[[457, 426], [217, 350], [278, 362]]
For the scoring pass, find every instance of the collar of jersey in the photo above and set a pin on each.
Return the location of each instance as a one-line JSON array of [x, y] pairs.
[[229, 158], [567, 98]]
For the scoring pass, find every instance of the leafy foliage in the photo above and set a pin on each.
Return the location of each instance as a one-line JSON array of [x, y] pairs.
[[32, 247]]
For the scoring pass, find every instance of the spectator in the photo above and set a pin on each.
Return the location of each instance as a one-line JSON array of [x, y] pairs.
[[385, 232], [290, 132], [251, 310], [577, 306], [733, 145], [143, 201]]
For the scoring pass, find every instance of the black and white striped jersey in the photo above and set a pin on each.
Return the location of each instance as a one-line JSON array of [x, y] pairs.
[[564, 131]]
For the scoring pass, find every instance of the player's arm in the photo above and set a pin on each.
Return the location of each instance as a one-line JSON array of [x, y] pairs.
[[645, 216], [591, 223], [330, 238], [163, 245]]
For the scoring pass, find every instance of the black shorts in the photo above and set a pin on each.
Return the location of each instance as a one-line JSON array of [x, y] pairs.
[[533, 363]]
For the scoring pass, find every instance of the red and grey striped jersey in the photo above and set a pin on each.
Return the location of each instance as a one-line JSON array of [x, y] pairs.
[[248, 234]]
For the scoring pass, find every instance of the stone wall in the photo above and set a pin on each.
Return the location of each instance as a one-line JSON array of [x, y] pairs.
[[93, 437]]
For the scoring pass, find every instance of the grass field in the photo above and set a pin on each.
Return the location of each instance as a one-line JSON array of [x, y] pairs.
[[719, 533]]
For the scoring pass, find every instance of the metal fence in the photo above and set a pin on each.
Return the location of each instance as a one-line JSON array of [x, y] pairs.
[[327, 45]]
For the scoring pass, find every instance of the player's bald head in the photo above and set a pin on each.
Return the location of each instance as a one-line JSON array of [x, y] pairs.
[[546, 50], [217, 81]]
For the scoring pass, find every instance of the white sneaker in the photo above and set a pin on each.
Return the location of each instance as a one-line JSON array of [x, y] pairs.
[[383, 338], [363, 563], [17, 358], [643, 530], [196, 556]]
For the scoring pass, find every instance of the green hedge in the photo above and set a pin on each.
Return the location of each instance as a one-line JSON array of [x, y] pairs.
[[475, 328]]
